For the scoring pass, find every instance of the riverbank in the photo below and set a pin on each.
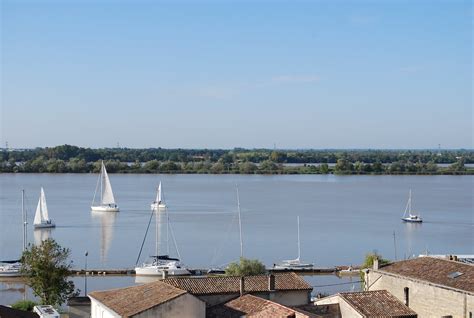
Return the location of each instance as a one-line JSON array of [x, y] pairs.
[[72, 159]]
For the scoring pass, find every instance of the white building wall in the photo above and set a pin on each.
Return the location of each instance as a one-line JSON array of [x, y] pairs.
[[98, 310], [346, 310], [426, 300]]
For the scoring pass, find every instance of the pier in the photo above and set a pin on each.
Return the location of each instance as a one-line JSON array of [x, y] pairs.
[[199, 271]]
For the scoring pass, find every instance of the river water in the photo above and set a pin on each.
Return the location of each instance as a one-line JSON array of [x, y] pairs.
[[341, 217]]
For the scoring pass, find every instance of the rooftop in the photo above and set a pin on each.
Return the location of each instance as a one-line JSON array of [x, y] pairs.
[[250, 306], [435, 270], [231, 284], [132, 300], [377, 303]]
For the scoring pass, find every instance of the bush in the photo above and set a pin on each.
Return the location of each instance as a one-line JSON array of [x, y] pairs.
[[245, 267], [25, 305]]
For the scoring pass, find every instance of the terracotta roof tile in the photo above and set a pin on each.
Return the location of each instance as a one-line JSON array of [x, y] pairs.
[[250, 306], [377, 303], [435, 270], [133, 300], [231, 284]]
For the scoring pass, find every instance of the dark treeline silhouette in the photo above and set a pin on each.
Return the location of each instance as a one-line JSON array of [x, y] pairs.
[[66, 158]]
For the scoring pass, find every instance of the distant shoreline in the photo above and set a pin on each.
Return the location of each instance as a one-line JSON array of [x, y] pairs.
[[72, 159]]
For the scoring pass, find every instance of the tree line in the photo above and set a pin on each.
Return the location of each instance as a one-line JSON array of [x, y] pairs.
[[72, 159]]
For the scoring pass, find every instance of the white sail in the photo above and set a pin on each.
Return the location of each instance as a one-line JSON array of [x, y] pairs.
[[158, 195], [44, 207], [38, 213], [107, 194]]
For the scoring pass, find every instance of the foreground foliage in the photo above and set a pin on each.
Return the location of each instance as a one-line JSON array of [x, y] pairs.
[[25, 305], [245, 267], [47, 268]]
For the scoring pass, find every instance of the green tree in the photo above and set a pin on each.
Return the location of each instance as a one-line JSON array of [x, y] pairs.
[[46, 268], [324, 168], [245, 267]]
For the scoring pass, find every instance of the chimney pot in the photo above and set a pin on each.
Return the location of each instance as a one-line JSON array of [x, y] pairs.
[[242, 285], [271, 282], [376, 263]]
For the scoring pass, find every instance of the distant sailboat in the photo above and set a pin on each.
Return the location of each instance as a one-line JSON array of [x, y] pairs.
[[42, 219], [107, 200], [158, 203], [412, 218], [294, 263]]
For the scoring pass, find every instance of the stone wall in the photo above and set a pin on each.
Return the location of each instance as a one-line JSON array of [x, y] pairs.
[[425, 299]]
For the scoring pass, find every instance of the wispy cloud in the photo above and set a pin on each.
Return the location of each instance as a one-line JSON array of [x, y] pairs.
[[295, 78]]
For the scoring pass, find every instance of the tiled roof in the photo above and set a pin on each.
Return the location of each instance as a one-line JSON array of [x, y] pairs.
[[7, 312], [249, 306], [231, 284], [377, 303], [435, 270], [136, 299]]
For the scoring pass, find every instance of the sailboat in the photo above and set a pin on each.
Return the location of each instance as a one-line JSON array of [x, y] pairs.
[[42, 219], [161, 264], [158, 203], [294, 263], [11, 268], [107, 200], [412, 218]]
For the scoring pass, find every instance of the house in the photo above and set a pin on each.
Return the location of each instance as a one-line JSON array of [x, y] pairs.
[[379, 303], [8, 312], [252, 306], [155, 299], [287, 289], [430, 286]]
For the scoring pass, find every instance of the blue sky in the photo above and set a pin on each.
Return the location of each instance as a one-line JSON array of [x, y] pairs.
[[224, 74]]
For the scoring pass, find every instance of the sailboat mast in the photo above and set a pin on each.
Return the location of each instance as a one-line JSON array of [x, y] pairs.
[[25, 222], [299, 248], [101, 181], [409, 204], [240, 225]]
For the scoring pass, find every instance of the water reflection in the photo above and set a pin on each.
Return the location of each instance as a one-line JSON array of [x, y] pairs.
[[41, 234], [106, 221], [411, 232]]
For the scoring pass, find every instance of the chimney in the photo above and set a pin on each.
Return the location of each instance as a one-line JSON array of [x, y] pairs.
[[242, 285], [406, 291], [164, 274], [271, 282], [376, 263]]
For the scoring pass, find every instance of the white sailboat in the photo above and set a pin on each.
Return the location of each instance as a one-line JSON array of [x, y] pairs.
[[159, 203], [11, 268], [107, 200], [412, 217], [294, 263], [42, 219], [161, 264]]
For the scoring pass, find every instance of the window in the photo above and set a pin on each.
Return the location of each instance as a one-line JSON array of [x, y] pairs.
[[454, 274], [406, 291]]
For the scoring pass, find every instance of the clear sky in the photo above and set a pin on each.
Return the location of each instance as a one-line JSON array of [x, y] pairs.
[[224, 74]]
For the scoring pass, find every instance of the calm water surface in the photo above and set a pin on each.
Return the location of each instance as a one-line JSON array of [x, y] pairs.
[[342, 217]]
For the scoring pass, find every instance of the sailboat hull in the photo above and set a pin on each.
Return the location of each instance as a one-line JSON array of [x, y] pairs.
[[158, 271], [105, 208], [45, 225], [410, 220]]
